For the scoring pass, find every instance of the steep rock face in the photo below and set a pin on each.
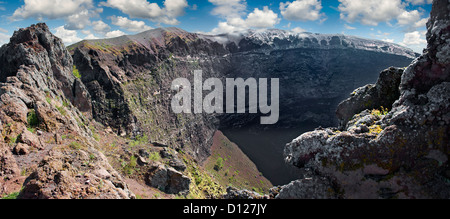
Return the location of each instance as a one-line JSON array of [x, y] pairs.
[[38, 105], [44, 56], [130, 78], [398, 154]]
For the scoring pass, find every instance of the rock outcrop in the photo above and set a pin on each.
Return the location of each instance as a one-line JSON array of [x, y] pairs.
[[401, 153], [41, 100]]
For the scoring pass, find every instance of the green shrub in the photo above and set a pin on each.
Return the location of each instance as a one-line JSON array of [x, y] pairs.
[[130, 167], [219, 164], [32, 119]]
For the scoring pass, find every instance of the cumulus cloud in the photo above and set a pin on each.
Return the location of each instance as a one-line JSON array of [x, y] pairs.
[[262, 18], [229, 8], [373, 12], [52, 9], [129, 25], [79, 20], [69, 37], [258, 19], [370, 12], [115, 33], [76, 13], [100, 27], [151, 11], [301, 10], [414, 38], [233, 11]]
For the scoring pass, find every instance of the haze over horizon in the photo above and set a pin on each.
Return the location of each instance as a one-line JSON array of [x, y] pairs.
[[397, 21]]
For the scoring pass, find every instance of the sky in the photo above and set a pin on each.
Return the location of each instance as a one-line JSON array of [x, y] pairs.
[[397, 21]]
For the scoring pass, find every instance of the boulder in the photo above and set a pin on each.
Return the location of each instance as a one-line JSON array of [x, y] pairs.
[[21, 149], [30, 139], [168, 180]]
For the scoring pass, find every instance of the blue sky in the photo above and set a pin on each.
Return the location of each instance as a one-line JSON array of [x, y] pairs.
[[399, 21]]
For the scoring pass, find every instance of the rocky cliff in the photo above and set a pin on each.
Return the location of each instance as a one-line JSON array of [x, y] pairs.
[[41, 101], [393, 137]]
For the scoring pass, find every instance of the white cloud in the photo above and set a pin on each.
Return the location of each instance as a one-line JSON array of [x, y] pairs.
[[52, 9], [258, 19], [233, 12], [175, 8], [348, 27], [370, 12], [420, 2], [76, 13], [115, 33], [100, 27], [373, 12], [229, 8], [79, 20], [130, 25], [4, 38], [262, 18], [414, 38], [89, 35], [388, 40], [152, 11], [298, 30], [69, 37], [412, 20], [3, 30], [301, 10], [421, 23]]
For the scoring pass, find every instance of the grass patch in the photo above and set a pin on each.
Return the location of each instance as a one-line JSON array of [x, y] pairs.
[[140, 140], [62, 110], [75, 145], [130, 167], [11, 196], [76, 73], [155, 156]]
